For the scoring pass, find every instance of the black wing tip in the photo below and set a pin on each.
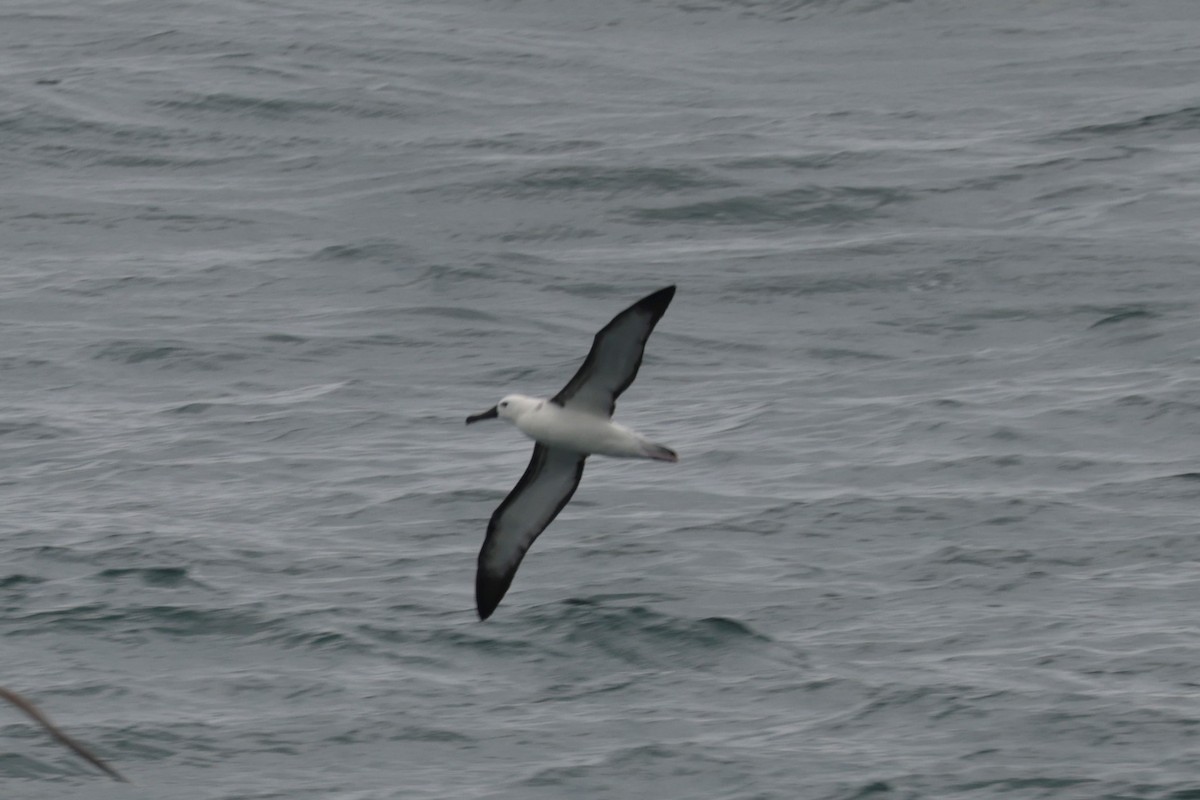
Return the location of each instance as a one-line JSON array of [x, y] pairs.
[[659, 299], [490, 586], [487, 597], [654, 305]]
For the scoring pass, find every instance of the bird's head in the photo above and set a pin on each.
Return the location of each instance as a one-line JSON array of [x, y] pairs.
[[510, 407]]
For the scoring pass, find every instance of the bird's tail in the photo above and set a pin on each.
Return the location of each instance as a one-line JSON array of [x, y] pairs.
[[659, 452]]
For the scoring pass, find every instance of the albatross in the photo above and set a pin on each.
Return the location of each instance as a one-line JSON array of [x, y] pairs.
[[567, 428]]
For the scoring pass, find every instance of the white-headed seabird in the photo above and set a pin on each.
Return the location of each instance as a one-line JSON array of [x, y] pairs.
[[569, 427]]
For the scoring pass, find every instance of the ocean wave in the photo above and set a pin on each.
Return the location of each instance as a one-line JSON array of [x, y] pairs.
[[811, 206]]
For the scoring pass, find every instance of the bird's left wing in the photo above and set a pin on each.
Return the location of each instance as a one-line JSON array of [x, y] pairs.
[[616, 354], [547, 485]]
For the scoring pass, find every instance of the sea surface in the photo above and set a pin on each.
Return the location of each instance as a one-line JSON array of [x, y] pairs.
[[933, 371]]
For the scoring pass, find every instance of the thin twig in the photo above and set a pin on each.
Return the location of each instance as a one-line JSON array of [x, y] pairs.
[[37, 716]]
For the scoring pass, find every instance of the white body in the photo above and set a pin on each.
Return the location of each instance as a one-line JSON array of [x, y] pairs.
[[555, 426]]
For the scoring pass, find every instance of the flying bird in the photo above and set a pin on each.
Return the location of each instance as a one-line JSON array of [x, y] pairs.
[[567, 428]]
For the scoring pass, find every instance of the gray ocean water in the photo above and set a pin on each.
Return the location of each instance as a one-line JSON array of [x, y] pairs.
[[932, 371]]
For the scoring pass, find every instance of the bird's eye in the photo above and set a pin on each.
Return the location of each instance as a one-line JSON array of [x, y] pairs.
[[504, 404]]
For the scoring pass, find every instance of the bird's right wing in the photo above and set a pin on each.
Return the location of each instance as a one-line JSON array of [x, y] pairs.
[[547, 485]]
